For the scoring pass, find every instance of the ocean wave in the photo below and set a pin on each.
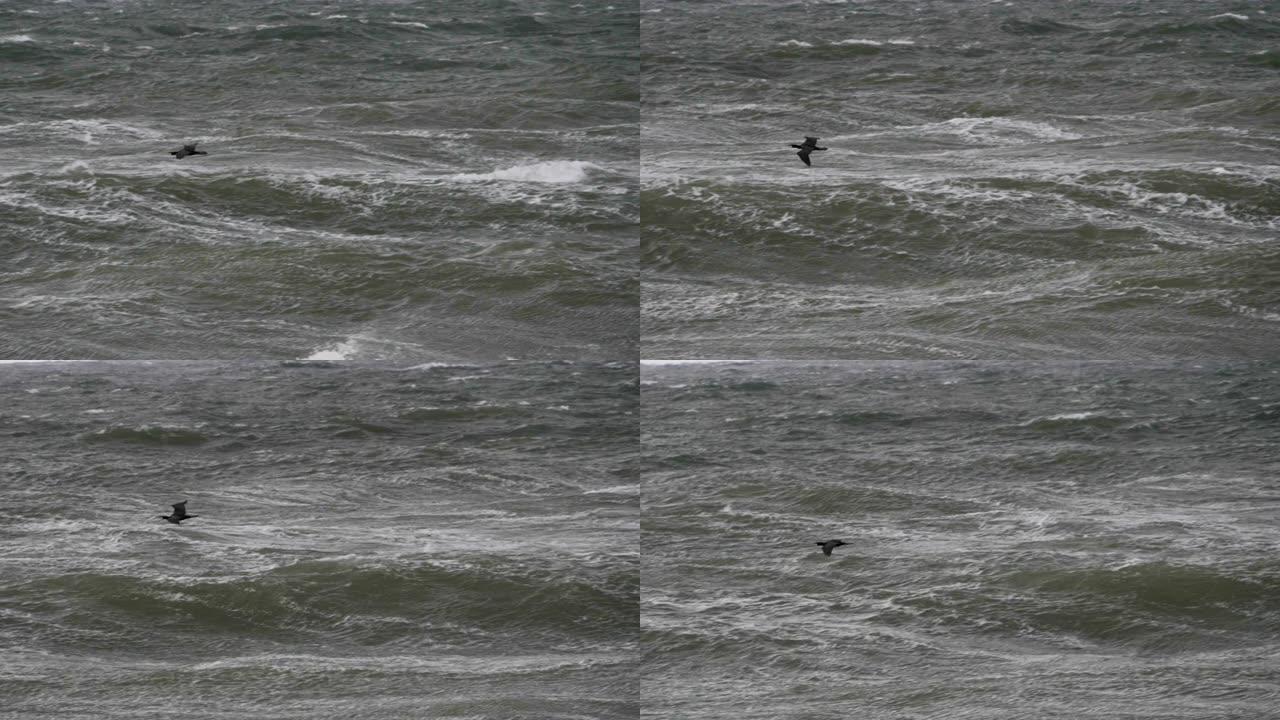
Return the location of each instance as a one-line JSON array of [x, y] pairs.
[[1038, 26], [303, 206], [1076, 216], [346, 599], [835, 49], [438, 663], [1236, 24], [998, 130], [664, 362], [481, 411], [873, 43], [367, 347], [1080, 421], [340, 351], [552, 171], [160, 435], [1270, 58]]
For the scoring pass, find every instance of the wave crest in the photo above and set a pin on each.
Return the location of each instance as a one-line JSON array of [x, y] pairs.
[[551, 171]]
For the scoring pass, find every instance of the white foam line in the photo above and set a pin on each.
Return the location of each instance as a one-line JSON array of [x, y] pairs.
[[551, 171], [117, 362], [656, 362]]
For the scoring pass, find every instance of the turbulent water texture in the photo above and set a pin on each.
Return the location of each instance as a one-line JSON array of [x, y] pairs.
[[372, 542], [385, 180], [1012, 337], [1004, 180], [1025, 541]]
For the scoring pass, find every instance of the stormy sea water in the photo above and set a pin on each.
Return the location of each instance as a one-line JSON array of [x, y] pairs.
[[1091, 540], [1012, 337], [372, 541], [1003, 180], [386, 181]]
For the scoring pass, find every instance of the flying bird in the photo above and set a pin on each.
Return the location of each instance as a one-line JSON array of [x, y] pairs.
[[180, 514], [828, 546], [187, 150], [810, 144]]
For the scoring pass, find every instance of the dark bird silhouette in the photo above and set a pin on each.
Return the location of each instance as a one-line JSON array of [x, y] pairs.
[[180, 514], [187, 150], [828, 546], [810, 144]]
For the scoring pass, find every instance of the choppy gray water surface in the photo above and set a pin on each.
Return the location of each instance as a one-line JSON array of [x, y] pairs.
[[1025, 541], [372, 542], [385, 180], [1004, 180], [383, 338]]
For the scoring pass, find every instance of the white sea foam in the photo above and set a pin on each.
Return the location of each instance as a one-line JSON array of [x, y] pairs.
[[1083, 415], [1004, 130], [614, 490], [1233, 16], [795, 43], [486, 665], [552, 171], [49, 360], [1252, 312], [78, 213], [83, 130], [367, 347], [342, 351], [16, 39], [659, 363]]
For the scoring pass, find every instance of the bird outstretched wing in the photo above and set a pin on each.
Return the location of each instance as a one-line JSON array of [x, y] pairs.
[[180, 508], [804, 155]]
